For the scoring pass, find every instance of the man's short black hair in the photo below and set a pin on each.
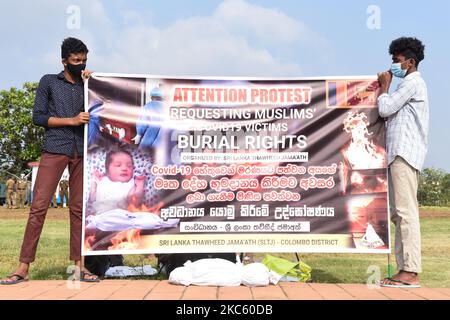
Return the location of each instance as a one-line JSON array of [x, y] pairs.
[[411, 48], [72, 45]]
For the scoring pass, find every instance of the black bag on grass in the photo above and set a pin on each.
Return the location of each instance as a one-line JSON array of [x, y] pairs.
[[168, 262], [99, 264]]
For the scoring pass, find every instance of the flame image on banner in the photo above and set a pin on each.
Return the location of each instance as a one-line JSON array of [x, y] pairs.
[[362, 153]]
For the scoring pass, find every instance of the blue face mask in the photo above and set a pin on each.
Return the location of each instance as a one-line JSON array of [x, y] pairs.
[[397, 70]]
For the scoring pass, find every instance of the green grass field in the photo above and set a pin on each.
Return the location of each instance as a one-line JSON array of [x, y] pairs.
[[52, 256]]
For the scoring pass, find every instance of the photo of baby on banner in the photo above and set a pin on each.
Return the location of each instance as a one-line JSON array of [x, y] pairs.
[[123, 131]]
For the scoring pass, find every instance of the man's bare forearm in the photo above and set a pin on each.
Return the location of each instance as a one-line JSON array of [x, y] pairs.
[[60, 122], [81, 118]]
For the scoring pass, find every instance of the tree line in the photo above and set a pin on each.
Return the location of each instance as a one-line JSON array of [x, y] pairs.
[[22, 142]]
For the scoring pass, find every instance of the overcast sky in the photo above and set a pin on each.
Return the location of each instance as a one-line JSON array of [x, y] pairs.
[[233, 38]]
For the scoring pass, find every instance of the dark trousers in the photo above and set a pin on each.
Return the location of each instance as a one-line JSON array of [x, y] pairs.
[[63, 193], [50, 170]]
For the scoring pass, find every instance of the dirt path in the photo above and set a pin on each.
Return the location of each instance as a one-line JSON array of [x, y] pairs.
[[52, 214], [434, 214]]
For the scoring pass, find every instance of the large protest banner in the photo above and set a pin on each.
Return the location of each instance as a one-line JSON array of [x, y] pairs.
[[234, 165]]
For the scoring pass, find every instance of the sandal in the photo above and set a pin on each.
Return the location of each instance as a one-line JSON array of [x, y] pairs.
[[19, 279], [87, 273], [401, 284]]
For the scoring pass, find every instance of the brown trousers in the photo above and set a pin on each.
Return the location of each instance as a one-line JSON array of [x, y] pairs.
[[50, 170]]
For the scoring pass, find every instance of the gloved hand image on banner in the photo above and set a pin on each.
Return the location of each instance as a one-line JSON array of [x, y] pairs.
[[95, 129], [114, 115]]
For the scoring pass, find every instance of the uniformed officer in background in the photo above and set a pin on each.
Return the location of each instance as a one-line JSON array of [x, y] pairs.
[[54, 203], [10, 184], [64, 192], [21, 191]]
